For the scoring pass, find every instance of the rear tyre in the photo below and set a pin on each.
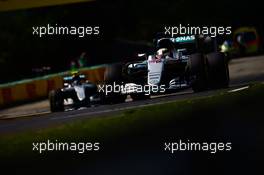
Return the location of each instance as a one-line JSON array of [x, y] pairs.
[[218, 72], [56, 101], [113, 76], [197, 70]]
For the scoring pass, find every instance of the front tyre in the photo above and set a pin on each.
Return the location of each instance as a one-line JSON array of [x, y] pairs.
[[56, 101], [197, 71]]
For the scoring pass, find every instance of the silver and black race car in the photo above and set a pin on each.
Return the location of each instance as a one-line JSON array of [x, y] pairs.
[[77, 92], [180, 62]]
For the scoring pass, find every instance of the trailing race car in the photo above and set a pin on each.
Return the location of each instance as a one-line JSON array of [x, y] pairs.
[[180, 62], [245, 41], [77, 92]]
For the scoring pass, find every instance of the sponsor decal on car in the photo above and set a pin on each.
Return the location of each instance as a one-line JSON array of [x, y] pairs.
[[183, 39]]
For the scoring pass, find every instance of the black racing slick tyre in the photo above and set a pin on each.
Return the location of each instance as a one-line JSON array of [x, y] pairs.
[[139, 96], [56, 101], [113, 76], [197, 71], [218, 72], [113, 73]]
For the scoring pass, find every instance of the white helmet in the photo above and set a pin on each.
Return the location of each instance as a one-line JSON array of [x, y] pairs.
[[163, 52]]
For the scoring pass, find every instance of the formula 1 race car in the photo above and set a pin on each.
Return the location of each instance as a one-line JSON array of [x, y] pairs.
[[77, 92], [245, 41], [180, 62]]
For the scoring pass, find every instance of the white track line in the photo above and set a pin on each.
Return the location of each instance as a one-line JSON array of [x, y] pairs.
[[239, 89]]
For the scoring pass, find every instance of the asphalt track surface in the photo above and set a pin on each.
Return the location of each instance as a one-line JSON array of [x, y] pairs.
[[37, 115]]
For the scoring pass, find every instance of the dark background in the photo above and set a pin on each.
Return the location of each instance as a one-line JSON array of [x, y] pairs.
[[120, 23]]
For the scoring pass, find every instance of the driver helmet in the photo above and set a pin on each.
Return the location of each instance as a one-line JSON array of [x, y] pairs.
[[76, 78], [163, 52]]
